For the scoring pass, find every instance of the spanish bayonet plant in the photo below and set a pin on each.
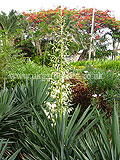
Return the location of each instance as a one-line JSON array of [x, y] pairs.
[[60, 89]]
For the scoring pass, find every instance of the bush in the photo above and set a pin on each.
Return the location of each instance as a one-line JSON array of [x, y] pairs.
[[84, 94], [100, 64], [81, 93], [101, 80], [28, 69]]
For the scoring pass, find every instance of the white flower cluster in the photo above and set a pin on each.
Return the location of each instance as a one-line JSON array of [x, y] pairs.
[[51, 106], [95, 95], [85, 71], [54, 106]]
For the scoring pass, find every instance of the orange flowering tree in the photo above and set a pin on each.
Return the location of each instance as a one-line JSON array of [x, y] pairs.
[[103, 21], [79, 23]]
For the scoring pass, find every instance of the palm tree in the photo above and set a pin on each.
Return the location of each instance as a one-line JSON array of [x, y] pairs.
[[8, 23]]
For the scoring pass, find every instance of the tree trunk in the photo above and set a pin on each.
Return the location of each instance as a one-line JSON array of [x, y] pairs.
[[113, 55], [83, 54], [116, 49], [44, 56], [38, 47]]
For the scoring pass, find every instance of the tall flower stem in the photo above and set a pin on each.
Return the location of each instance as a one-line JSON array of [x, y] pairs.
[[61, 64]]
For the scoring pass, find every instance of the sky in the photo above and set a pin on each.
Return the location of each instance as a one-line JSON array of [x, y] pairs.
[[36, 5]]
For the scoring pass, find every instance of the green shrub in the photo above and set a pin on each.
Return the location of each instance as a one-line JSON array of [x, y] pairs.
[[84, 95], [102, 80], [30, 69], [100, 64], [22, 71]]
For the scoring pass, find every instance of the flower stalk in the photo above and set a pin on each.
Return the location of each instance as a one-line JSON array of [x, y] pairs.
[[61, 65]]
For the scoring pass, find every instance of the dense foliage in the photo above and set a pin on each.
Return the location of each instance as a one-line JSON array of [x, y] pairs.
[[51, 109]]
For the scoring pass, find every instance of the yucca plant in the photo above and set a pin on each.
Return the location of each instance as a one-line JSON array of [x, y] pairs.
[[47, 138], [10, 112], [5, 153], [100, 145], [14, 104], [34, 89], [10, 116]]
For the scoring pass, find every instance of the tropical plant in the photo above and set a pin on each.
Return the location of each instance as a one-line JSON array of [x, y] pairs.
[[8, 22], [100, 145], [14, 104], [10, 113], [35, 89], [47, 138]]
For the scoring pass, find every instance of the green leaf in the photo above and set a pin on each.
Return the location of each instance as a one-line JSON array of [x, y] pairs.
[[71, 123], [14, 155]]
